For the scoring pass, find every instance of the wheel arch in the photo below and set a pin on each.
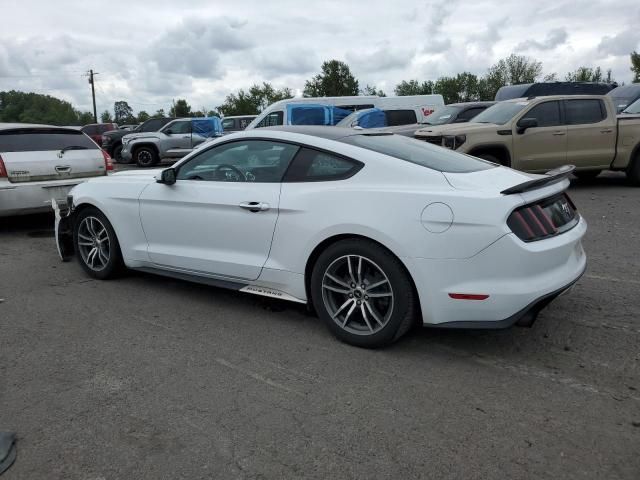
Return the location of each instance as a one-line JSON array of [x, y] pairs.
[[497, 150], [136, 146], [315, 254]]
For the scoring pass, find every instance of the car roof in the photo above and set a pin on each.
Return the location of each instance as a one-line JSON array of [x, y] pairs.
[[471, 104], [239, 116], [326, 132], [552, 97], [14, 126]]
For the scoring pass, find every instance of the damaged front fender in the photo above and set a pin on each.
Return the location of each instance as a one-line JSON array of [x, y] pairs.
[[64, 227]]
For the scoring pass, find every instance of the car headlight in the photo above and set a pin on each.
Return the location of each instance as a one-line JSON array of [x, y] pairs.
[[125, 141], [453, 141]]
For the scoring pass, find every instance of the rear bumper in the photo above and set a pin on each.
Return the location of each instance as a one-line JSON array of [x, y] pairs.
[[26, 198], [519, 278]]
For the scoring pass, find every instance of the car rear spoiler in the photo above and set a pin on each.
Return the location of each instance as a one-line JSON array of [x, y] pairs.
[[552, 176]]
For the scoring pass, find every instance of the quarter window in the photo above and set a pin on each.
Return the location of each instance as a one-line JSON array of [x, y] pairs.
[[316, 166], [584, 111], [243, 161], [271, 120], [547, 114]]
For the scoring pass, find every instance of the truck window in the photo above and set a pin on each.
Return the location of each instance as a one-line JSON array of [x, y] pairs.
[[584, 111], [272, 119], [400, 117], [547, 114]]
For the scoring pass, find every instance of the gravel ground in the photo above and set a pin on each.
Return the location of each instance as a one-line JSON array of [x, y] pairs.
[[147, 377]]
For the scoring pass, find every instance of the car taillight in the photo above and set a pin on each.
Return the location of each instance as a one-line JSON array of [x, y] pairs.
[[3, 169], [108, 164], [543, 219]]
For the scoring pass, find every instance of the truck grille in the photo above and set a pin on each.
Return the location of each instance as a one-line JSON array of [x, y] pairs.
[[546, 218]]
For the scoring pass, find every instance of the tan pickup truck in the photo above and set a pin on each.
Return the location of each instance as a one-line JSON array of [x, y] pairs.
[[538, 134]]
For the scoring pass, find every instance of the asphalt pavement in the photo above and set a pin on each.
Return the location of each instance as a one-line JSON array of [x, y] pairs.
[[148, 377]]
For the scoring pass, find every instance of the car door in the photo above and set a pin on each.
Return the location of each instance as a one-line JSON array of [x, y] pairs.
[[542, 147], [177, 135], [591, 135], [219, 216]]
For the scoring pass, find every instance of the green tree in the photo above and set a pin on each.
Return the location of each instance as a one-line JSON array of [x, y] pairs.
[[414, 87], [143, 116], [180, 109], [122, 113], [372, 90], [335, 80], [253, 101], [26, 107], [513, 70], [105, 117], [635, 66], [84, 118], [587, 74], [159, 114]]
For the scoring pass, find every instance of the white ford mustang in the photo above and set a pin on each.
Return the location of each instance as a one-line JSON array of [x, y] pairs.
[[376, 231]]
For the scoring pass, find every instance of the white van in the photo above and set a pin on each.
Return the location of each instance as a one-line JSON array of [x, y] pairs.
[[330, 110]]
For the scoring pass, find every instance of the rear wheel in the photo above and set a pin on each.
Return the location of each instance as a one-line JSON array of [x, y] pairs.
[[145, 157], [96, 244], [363, 293], [587, 174]]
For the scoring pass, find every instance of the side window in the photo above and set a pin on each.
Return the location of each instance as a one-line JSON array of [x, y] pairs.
[[152, 126], [547, 114], [227, 123], [316, 166], [401, 117], [243, 161], [584, 111], [468, 114], [178, 128], [272, 119]]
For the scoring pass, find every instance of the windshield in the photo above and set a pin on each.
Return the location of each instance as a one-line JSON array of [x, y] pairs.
[[633, 108], [500, 113], [418, 152], [442, 115]]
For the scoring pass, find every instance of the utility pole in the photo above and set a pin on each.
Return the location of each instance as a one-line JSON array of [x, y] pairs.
[[93, 95]]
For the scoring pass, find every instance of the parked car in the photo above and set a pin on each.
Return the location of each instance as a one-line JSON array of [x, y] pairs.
[[378, 118], [112, 140], [624, 95], [331, 110], [633, 109], [540, 89], [95, 130], [545, 132], [376, 231], [40, 162], [127, 127], [236, 123], [176, 139]]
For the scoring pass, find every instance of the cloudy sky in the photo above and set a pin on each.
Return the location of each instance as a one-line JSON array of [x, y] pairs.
[[151, 51]]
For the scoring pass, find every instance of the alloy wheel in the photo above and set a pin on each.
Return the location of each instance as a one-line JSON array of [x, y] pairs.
[[357, 294], [93, 243]]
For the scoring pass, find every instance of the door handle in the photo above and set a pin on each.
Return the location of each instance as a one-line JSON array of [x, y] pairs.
[[559, 134], [63, 168], [606, 130], [255, 206]]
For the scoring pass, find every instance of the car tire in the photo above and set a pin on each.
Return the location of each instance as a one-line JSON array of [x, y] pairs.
[[587, 175], [117, 155], [633, 171], [371, 317], [145, 157], [96, 244]]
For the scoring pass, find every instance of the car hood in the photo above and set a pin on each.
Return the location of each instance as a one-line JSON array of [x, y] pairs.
[[456, 128], [135, 136]]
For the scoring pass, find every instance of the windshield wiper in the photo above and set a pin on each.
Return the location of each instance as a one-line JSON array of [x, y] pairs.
[[73, 147]]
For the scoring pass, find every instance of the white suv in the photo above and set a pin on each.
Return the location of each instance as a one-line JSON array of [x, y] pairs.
[[39, 163]]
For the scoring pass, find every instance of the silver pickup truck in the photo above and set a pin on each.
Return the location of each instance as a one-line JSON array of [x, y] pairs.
[[174, 140]]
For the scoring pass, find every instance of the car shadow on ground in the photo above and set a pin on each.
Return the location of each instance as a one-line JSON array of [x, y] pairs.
[[604, 180]]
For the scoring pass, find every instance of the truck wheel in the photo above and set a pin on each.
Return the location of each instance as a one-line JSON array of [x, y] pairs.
[[587, 175], [633, 171], [145, 157]]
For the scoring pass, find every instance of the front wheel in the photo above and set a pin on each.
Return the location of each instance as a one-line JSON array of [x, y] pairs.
[[363, 293], [96, 244], [145, 157]]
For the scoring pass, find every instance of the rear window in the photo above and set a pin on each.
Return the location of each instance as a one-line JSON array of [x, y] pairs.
[[420, 153], [400, 117], [43, 139]]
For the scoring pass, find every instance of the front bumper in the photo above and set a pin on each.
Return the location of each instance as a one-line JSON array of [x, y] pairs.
[[519, 278]]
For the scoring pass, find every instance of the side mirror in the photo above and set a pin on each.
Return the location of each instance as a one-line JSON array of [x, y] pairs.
[[168, 176], [526, 123]]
